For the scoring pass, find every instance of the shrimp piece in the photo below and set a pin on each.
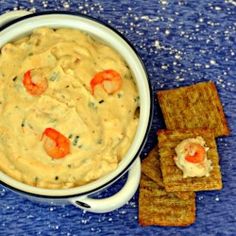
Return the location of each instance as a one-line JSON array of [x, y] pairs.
[[34, 85], [56, 144], [109, 79], [195, 153]]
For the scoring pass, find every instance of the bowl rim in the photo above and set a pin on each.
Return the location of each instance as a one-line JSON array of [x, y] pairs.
[[150, 118]]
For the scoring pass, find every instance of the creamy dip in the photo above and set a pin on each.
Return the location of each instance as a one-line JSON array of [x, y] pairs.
[[191, 157], [99, 125]]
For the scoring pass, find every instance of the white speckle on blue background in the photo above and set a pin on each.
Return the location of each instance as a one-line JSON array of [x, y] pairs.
[[217, 199], [66, 5], [51, 209], [164, 2], [178, 78], [200, 198], [167, 32], [45, 4], [157, 44], [177, 56], [212, 62], [122, 212], [164, 67], [217, 8]]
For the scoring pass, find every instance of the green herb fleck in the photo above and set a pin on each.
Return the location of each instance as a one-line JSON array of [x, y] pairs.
[[76, 139], [69, 165], [54, 76], [99, 141], [70, 136], [53, 120], [119, 95], [136, 99], [30, 126], [136, 113], [92, 105], [36, 179], [127, 76], [23, 123]]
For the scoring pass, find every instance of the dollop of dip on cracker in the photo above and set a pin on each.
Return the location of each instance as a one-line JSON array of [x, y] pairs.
[[191, 157]]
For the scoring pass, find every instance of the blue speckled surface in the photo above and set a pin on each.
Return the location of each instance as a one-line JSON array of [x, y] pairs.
[[180, 42]]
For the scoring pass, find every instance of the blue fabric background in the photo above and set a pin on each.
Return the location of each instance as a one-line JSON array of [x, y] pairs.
[[181, 42]]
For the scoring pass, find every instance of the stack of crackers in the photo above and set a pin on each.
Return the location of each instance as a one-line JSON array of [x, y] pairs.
[[165, 197]]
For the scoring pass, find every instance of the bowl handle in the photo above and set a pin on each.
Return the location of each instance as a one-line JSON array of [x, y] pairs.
[[12, 15], [115, 201]]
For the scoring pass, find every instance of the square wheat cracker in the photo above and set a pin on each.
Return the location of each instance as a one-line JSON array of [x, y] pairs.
[[157, 207], [172, 175], [195, 106], [151, 168]]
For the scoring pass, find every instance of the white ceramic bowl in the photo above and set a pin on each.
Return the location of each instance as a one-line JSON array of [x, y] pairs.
[[12, 27]]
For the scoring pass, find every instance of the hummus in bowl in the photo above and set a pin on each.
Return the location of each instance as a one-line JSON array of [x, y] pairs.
[[75, 105], [48, 85]]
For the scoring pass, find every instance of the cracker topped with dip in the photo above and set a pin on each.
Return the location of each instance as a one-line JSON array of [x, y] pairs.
[[58, 125], [185, 159], [194, 178]]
